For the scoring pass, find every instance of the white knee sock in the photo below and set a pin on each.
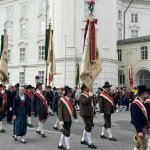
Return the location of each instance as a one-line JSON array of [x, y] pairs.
[[89, 137], [61, 142], [109, 132], [84, 136], [41, 128], [1, 125], [136, 148], [22, 138], [29, 120], [103, 131], [149, 144], [67, 140], [57, 124]]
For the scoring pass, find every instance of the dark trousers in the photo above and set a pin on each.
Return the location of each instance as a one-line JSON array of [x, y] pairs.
[[1, 116], [88, 121], [77, 103], [67, 127], [9, 116], [107, 121], [29, 111]]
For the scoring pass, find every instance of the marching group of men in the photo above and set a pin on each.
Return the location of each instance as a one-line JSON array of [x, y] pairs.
[[20, 102]]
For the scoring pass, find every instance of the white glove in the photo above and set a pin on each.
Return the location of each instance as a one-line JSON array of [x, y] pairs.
[[10, 108], [76, 120], [90, 94], [3, 91], [61, 123], [102, 114]]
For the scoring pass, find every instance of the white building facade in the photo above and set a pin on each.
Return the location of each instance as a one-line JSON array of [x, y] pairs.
[[25, 23], [69, 23], [136, 19], [134, 53]]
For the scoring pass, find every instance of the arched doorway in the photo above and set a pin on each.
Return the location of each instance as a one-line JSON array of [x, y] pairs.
[[143, 77]]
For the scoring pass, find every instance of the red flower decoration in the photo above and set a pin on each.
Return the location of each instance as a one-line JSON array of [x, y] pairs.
[[91, 2]]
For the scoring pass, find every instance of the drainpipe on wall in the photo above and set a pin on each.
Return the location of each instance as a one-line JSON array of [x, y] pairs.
[[125, 19]]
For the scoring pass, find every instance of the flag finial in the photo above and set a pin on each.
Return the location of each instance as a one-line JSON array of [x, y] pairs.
[[91, 4]]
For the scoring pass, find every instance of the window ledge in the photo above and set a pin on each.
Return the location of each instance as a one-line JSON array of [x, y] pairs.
[[143, 60]]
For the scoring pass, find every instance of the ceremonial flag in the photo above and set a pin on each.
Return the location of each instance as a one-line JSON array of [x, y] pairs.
[[77, 75], [131, 76], [51, 57], [3, 58], [91, 63]]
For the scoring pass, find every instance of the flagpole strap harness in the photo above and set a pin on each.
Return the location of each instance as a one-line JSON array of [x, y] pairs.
[[69, 106], [107, 97], [141, 106]]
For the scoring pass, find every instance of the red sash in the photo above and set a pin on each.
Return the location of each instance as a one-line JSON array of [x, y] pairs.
[[85, 94], [107, 97], [28, 94], [41, 97], [142, 107], [147, 101], [68, 105]]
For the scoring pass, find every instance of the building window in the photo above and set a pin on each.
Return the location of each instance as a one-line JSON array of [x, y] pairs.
[[144, 78], [119, 15], [134, 18], [9, 13], [21, 77], [41, 52], [41, 76], [22, 55], [23, 11], [23, 30], [119, 33], [121, 79], [42, 27], [42, 6], [144, 53], [119, 55], [134, 33], [9, 56]]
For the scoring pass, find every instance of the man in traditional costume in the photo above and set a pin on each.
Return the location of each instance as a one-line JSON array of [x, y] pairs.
[[87, 113], [55, 106], [20, 115], [66, 114], [1, 109], [139, 118], [106, 105], [147, 105], [29, 97], [41, 107]]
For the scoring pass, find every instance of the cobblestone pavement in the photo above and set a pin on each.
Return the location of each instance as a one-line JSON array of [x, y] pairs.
[[121, 128]]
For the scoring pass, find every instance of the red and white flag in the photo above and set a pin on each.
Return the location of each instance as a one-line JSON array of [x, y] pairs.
[[131, 77]]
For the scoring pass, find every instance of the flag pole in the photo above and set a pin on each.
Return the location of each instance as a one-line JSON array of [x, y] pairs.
[[65, 59], [45, 39]]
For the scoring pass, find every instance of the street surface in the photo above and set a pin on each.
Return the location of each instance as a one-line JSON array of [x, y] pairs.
[[121, 128]]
